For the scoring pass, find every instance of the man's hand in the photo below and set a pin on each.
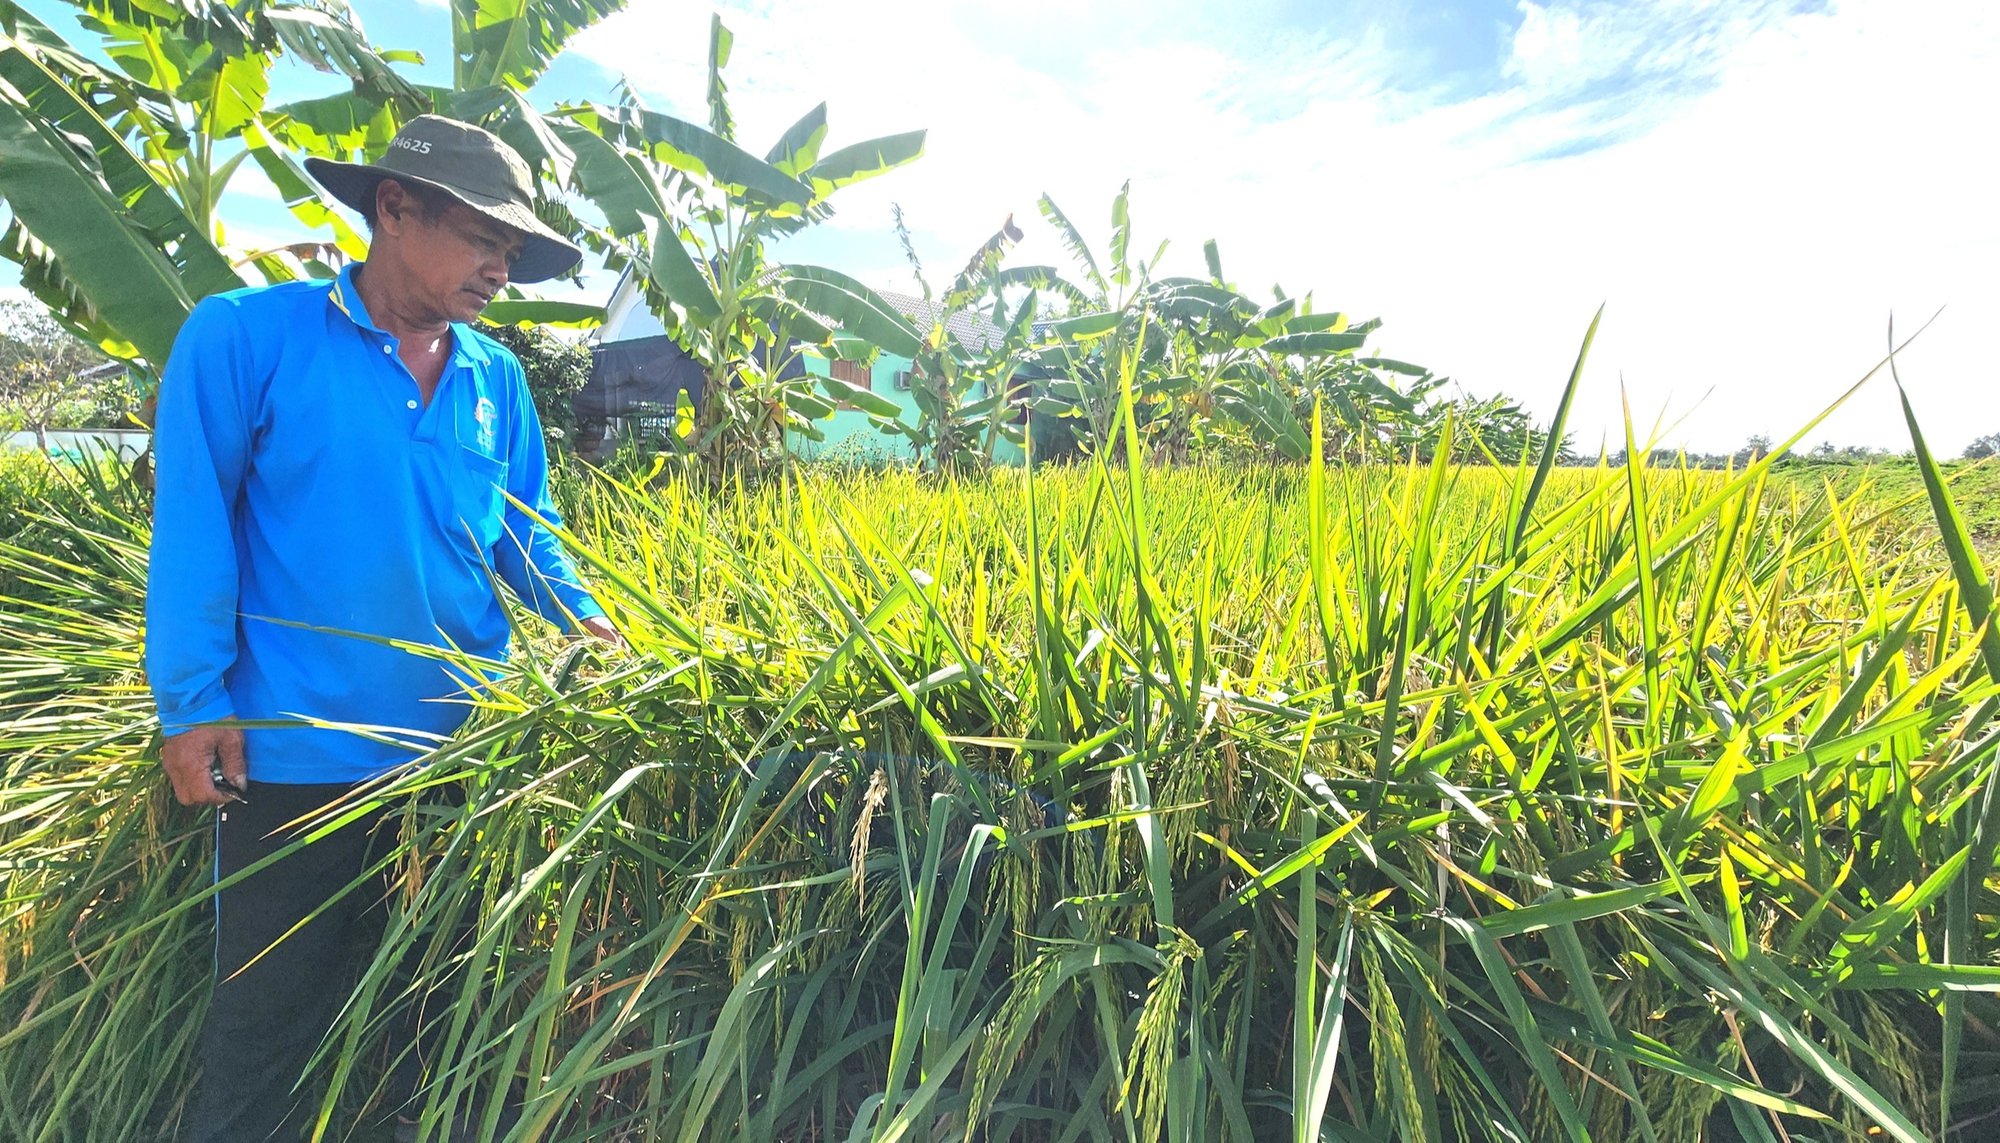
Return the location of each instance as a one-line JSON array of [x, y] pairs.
[[600, 628], [190, 757]]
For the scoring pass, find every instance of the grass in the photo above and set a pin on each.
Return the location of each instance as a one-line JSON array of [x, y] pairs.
[[1899, 482], [1389, 803]]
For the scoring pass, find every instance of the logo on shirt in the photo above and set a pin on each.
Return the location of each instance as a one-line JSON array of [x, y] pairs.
[[487, 416]]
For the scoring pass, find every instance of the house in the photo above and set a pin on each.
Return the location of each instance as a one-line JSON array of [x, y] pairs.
[[642, 377], [850, 434], [639, 371]]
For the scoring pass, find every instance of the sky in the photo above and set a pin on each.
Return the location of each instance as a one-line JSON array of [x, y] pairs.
[[1752, 188]]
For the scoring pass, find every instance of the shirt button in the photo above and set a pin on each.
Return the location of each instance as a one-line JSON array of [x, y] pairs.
[[412, 404], [388, 349]]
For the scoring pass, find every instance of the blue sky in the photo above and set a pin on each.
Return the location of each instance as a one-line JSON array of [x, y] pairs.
[[1753, 186]]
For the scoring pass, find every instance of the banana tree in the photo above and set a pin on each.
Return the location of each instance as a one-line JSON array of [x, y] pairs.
[[1207, 362], [112, 173], [1367, 409], [964, 385], [1235, 372], [500, 50], [1107, 324], [1491, 430], [1212, 333], [693, 215]]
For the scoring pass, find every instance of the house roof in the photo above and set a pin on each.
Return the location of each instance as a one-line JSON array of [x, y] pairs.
[[974, 330]]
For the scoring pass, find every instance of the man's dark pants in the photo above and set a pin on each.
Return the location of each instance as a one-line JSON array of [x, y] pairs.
[[275, 999]]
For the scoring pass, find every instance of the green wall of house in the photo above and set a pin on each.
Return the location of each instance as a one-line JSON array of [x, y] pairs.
[[852, 435]]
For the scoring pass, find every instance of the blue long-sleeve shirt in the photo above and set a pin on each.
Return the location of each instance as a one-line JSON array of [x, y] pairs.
[[308, 503]]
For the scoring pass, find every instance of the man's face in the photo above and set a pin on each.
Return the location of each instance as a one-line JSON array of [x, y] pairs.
[[460, 259]]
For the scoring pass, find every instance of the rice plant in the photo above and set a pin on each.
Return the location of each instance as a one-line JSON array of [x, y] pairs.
[[1401, 802]]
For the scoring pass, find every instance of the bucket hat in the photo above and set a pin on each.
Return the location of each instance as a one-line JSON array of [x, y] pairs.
[[471, 165]]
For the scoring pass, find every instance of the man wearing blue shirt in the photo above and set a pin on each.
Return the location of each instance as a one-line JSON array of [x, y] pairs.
[[338, 466]]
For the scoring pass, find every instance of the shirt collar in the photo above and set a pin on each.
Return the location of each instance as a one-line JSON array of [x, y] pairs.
[[346, 297], [465, 347]]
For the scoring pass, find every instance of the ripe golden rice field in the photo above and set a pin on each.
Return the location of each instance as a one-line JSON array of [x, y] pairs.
[[1414, 802]]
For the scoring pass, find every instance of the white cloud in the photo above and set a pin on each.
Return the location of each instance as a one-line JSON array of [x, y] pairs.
[[1780, 184], [1558, 48], [249, 182], [1567, 47]]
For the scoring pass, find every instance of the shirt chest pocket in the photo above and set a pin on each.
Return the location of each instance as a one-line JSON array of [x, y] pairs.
[[476, 507]]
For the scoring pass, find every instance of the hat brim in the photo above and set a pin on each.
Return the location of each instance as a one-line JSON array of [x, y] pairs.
[[544, 253]]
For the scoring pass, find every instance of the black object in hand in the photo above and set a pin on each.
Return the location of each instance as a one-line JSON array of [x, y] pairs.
[[224, 785]]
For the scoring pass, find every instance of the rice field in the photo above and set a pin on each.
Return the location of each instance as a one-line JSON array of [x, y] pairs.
[[1100, 803]]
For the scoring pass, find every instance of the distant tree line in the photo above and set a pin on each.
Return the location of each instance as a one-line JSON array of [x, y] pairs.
[[1983, 447], [50, 379], [1826, 452]]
